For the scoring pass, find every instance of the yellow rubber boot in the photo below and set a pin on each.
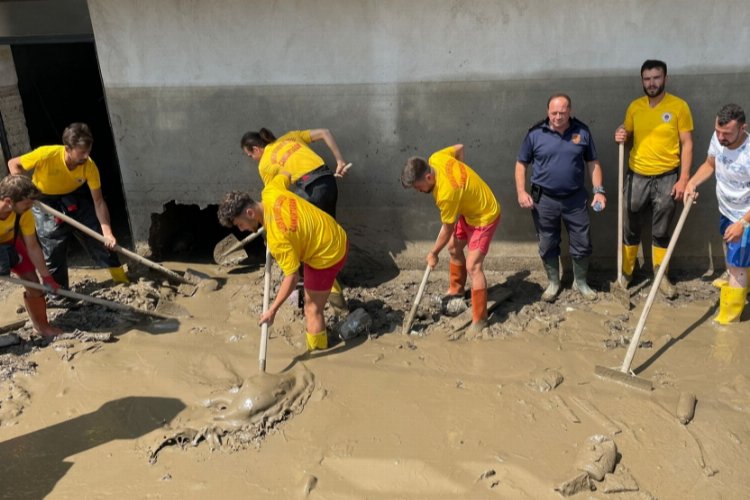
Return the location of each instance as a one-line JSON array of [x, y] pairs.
[[731, 304], [629, 256], [336, 297], [665, 287], [317, 341], [118, 274], [457, 279]]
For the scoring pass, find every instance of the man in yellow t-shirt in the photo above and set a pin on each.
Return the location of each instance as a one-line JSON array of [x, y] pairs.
[[661, 128], [298, 234], [61, 173], [469, 214], [19, 249]]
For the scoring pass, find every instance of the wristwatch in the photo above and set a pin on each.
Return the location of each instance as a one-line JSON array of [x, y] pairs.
[[599, 190], [745, 224]]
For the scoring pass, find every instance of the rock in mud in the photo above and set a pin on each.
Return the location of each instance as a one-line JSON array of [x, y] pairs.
[[622, 481], [356, 323], [686, 407], [575, 485], [597, 456], [454, 306], [546, 380]]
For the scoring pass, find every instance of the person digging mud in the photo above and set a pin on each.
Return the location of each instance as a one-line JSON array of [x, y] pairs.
[[20, 251], [661, 127], [729, 158], [560, 149], [469, 213], [311, 178], [60, 173], [298, 234]]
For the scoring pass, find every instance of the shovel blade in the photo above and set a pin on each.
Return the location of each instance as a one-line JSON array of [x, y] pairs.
[[223, 257]]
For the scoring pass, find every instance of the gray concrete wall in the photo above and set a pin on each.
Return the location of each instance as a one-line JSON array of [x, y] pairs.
[[11, 108], [185, 79]]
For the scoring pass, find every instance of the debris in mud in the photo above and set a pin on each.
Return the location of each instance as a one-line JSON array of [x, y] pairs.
[[686, 407], [597, 456], [257, 408], [11, 364], [454, 306], [621, 481], [356, 323], [546, 380], [575, 485], [85, 336]]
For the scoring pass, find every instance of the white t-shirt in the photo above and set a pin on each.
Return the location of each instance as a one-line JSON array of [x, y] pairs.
[[732, 178]]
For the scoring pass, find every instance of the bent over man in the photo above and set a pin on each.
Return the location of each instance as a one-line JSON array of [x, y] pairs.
[[469, 214], [62, 173], [729, 158], [19, 249], [298, 234]]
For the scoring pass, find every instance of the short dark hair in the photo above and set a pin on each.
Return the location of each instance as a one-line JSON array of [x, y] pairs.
[[654, 64], [77, 135], [261, 139], [18, 188], [414, 170], [232, 206], [730, 112], [560, 94]]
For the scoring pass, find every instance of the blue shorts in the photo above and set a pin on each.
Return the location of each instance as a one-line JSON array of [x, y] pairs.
[[738, 252]]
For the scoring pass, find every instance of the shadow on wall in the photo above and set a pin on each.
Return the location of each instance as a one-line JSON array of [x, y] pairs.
[[36, 461]]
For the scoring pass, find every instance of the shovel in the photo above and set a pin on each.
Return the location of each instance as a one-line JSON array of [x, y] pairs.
[[266, 300], [623, 375], [86, 298], [225, 248], [189, 280], [619, 288], [410, 318]]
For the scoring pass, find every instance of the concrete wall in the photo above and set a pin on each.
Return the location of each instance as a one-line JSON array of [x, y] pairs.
[[184, 79], [44, 19], [11, 108]]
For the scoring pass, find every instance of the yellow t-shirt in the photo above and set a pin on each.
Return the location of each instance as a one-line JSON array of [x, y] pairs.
[[297, 231], [460, 191], [656, 133], [27, 226], [51, 174], [289, 153]]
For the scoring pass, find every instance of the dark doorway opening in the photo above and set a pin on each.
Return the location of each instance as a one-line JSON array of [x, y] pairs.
[[59, 84]]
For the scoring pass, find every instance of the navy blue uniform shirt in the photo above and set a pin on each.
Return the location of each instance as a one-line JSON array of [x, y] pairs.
[[558, 162]]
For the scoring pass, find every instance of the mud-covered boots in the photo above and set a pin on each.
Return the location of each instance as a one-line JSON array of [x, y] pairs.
[[336, 297], [317, 341], [665, 287], [731, 304], [552, 268], [36, 307], [457, 280], [478, 309], [629, 256], [580, 273]]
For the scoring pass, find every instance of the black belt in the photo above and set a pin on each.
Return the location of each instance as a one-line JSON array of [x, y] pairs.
[[557, 196], [313, 175]]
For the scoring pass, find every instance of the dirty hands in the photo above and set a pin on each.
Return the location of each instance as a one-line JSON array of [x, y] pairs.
[[50, 284], [621, 135], [525, 200], [109, 241], [432, 259], [268, 317]]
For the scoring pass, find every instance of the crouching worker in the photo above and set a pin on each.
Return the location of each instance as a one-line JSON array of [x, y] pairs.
[[470, 215], [19, 250], [297, 234]]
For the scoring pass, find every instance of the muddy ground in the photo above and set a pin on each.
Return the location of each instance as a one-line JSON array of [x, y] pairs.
[[125, 408]]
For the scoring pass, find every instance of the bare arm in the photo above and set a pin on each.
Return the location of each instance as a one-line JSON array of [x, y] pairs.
[[285, 290], [459, 150], [524, 198], [14, 166], [704, 172], [444, 236], [597, 179], [686, 161], [327, 137], [102, 213]]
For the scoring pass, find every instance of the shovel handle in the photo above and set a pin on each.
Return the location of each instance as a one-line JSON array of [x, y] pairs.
[[266, 300], [620, 208], [117, 248], [417, 300], [86, 298], [655, 287]]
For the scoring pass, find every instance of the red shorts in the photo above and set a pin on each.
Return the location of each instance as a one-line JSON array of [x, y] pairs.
[[320, 280], [25, 265], [479, 237]]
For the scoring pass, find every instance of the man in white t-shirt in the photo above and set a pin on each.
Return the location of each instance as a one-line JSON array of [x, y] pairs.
[[729, 157]]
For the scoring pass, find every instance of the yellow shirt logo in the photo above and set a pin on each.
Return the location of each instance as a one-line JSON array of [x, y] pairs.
[[456, 173], [290, 225]]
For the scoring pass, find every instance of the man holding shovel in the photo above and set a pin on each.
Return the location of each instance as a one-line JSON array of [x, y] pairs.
[[661, 126], [469, 214], [298, 234], [61, 174], [560, 149], [19, 249], [729, 158]]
